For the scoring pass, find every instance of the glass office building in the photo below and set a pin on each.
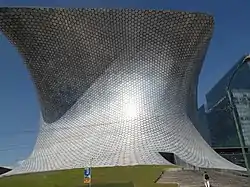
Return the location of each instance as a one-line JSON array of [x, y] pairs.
[[221, 125], [242, 103], [241, 81], [219, 118]]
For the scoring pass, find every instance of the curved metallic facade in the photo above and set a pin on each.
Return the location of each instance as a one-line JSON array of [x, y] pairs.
[[116, 87]]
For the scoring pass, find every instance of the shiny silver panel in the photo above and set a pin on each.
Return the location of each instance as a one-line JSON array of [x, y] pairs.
[[116, 87]]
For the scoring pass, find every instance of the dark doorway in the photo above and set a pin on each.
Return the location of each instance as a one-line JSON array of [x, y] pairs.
[[168, 156]]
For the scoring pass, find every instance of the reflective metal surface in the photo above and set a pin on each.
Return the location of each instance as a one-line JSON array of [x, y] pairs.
[[116, 87]]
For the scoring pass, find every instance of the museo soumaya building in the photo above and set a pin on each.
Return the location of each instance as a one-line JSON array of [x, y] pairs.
[[116, 86]]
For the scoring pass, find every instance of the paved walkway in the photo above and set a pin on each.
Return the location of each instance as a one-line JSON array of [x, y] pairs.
[[191, 178]]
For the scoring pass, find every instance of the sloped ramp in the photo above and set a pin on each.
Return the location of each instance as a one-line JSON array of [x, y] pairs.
[[193, 178]]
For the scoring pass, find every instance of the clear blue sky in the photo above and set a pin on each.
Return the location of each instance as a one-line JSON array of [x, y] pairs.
[[19, 109]]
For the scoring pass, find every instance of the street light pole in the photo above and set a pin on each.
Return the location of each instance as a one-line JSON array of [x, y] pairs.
[[243, 60]]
